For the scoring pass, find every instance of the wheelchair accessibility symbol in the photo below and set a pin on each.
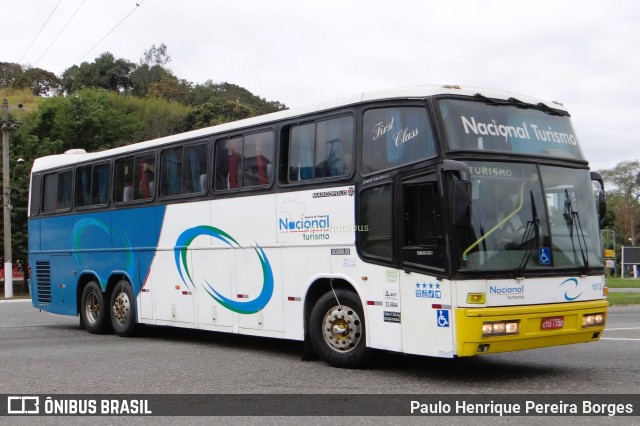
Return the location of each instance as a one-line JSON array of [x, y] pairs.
[[544, 256], [443, 318]]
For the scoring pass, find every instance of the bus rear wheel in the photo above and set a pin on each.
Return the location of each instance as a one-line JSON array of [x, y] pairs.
[[337, 329], [122, 309], [93, 315]]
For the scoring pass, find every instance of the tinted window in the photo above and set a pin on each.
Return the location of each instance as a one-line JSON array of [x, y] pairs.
[[376, 217], [92, 185], [321, 150], [135, 178], [244, 161], [184, 170], [476, 126], [57, 191], [392, 137]]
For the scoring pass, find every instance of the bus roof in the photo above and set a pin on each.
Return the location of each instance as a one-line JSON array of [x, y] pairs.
[[410, 92]]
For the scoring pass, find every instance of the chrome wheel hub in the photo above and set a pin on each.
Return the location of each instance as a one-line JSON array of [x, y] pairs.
[[92, 308], [122, 308], [342, 328]]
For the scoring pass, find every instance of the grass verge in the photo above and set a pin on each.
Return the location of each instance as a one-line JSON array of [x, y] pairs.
[[617, 282], [623, 299]]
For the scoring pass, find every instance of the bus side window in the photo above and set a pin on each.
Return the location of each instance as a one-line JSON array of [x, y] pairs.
[[423, 235], [36, 191], [92, 185], [228, 163], [57, 192], [376, 218], [244, 161], [194, 169], [135, 178], [301, 149], [144, 179], [171, 161], [334, 147], [321, 150], [124, 180], [257, 169]]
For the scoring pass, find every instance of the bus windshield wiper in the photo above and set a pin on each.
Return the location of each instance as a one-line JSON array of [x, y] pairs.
[[572, 218], [531, 233], [539, 106], [487, 100]]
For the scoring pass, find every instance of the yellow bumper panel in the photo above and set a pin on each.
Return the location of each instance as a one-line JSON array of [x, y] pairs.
[[469, 339]]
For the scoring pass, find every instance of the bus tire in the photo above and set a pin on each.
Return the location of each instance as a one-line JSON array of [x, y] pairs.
[[337, 331], [93, 313], [123, 309]]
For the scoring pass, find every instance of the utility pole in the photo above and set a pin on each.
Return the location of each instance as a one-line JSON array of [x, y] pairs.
[[6, 201]]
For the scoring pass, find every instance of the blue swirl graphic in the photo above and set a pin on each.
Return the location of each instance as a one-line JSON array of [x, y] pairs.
[[566, 293], [249, 307], [85, 225]]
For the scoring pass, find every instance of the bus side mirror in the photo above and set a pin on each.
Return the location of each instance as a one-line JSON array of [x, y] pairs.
[[602, 199], [461, 203], [461, 191]]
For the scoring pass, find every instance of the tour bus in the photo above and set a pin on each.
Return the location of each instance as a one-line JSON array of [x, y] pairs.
[[442, 221]]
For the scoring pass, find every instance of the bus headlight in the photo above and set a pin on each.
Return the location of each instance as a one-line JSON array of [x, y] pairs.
[[500, 328], [593, 320]]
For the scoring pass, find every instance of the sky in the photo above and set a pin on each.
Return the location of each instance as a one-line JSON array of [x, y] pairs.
[[582, 53]]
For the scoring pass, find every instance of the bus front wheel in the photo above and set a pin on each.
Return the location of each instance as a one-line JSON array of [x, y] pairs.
[[337, 329], [122, 309], [93, 314]]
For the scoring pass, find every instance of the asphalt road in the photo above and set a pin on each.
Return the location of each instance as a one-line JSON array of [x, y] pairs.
[[43, 353]]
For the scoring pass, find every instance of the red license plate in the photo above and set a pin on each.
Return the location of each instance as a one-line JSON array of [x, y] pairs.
[[552, 323]]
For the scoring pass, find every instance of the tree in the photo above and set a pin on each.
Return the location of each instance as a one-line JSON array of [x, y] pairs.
[[155, 56], [170, 88], [86, 119], [623, 198], [625, 177], [8, 73], [105, 72], [41, 82], [145, 75], [218, 112]]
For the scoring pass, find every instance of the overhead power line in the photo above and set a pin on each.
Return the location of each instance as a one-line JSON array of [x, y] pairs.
[[41, 28], [58, 35], [110, 31]]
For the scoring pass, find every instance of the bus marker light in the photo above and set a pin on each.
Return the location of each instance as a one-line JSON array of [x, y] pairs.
[[436, 306], [477, 298], [374, 303], [605, 291], [294, 299], [177, 286]]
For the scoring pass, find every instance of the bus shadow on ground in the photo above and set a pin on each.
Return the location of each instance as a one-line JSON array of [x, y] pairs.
[[481, 369]]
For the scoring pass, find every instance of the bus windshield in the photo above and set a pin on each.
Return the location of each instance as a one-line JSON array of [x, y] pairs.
[[509, 127], [528, 217]]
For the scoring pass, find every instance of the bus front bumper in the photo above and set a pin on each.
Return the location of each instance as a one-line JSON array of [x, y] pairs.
[[563, 322]]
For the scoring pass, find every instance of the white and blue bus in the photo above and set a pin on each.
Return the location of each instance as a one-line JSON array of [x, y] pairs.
[[441, 221]]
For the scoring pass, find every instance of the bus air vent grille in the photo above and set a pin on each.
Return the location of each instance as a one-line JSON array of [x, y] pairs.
[[43, 275]]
